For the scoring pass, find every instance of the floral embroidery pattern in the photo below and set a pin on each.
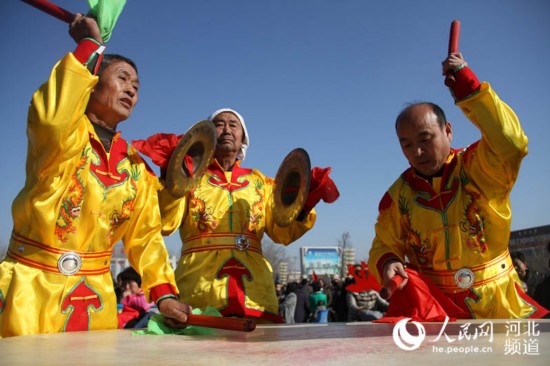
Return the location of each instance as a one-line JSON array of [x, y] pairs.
[[201, 214], [255, 213], [413, 239], [474, 225], [71, 204], [118, 218]]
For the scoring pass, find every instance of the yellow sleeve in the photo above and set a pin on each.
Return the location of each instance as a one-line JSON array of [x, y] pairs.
[[503, 144], [143, 241], [56, 129], [172, 210], [389, 236]]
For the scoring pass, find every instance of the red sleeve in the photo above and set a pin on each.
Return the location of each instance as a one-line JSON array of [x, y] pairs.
[[163, 291], [466, 83], [90, 53]]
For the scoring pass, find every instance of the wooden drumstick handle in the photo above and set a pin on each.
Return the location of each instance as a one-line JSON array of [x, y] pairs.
[[453, 48], [207, 321], [390, 287], [51, 9]]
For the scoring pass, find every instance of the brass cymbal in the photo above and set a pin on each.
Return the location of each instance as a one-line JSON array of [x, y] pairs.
[[199, 142], [291, 187]]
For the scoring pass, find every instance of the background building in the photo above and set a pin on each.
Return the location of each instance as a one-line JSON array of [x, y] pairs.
[[533, 243]]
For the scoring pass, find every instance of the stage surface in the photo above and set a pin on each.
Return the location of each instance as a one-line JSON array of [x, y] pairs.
[[473, 342]]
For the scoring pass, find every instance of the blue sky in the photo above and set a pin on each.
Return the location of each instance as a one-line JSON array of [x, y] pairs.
[[327, 76]]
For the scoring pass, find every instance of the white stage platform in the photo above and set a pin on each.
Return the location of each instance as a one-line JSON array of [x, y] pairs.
[[474, 342]]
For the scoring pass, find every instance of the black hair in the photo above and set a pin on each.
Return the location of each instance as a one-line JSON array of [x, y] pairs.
[[437, 110], [316, 286], [111, 58], [292, 287], [518, 255], [129, 274]]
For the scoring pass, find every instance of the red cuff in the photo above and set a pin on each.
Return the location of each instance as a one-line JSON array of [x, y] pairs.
[[89, 52], [162, 290], [466, 83]]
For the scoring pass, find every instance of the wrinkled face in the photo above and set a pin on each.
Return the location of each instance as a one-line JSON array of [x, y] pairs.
[[229, 132], [116, 93], [424, 143], [521, 267]]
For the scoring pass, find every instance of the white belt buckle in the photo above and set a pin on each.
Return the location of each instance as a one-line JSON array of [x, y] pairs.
[[242, 242], [465, 278], [69, 263]]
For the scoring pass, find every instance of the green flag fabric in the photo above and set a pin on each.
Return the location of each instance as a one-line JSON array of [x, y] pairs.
[[156, 325], [106, 13]]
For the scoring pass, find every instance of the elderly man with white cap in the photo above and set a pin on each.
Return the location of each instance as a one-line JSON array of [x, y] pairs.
[[222, 221]]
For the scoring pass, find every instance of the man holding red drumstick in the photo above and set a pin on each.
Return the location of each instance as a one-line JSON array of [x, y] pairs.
[[449, 215], [86, 189]]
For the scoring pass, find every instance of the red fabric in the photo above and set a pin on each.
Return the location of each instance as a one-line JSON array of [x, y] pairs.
[[81, 299], [321, 186], [85, 49], [314, 277], [363, 281], [466, 83], [421, 301], [159, 148], [162, 290], [128, 313]]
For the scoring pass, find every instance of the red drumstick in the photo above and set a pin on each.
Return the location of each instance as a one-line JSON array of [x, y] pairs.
[[390, 287], [207, 321], [453, 48], [51, 9]]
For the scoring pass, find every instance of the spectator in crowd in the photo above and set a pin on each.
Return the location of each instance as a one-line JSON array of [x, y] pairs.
[[365, 305], [288, 305], [279, 292], [317, 300], [136, 310], [529, 279], [363, 302], [542, 291], [327, 290], [307, 290], [301, 312], [339, 299]]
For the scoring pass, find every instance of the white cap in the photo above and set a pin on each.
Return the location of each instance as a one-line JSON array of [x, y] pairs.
[[246, 140]]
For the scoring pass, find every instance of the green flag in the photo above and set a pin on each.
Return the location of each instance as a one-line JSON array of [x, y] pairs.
[[106, 13]]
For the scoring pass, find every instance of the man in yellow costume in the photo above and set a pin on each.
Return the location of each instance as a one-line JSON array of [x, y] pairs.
[[222, 221], [449, 214], [86, 189]]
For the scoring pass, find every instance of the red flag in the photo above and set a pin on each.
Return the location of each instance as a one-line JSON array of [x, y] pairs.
[[314, 277], [363, 280]]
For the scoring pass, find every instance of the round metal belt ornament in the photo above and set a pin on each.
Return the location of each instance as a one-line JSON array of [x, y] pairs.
[[69, 263], [242, 242], [465, 278]]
